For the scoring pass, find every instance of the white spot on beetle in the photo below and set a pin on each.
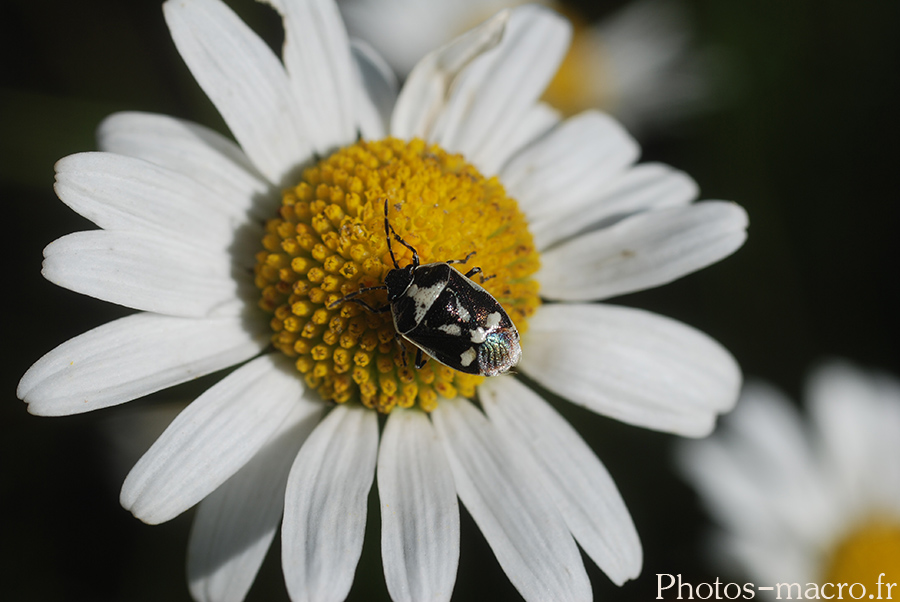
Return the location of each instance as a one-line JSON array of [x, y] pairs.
[[467, 357], [478, 335], [492, 321], [452, 329], [424, 297], [462, 312]]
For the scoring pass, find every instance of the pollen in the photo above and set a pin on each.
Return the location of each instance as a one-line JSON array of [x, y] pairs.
[[865, 552], [328, 241]]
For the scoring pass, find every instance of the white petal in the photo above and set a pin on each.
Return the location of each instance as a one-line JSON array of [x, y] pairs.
[[768, 440], [143, 271], [653, 76], [643, 251], [132, 357], [517, 517], [123, 193], [564, 170], [207, 157], [381, 86], [540, 119], [645, 186], [234, 525], [759, 473], [246, 82], [841, 402], [325, 505], [784, 561], [632, 365], [767, 426], [419, 513], [858, 417], [426, 89], [404, 31], [583, 490], [491, 96], [731, 494], [321, 71], [212, 439]]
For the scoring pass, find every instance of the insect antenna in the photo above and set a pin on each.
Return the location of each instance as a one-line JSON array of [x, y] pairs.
[[352, 297], [388, 230]]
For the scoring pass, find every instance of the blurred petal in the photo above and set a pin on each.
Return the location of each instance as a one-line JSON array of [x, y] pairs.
[[419, 513], [646, 250], [655, 77], [518, 518], [786, 496], [132, 357], [245, 80], [212, 439], [858, 416], [767, 562], [632, 365], [234, 525], [325, 505], [579, 483], [775, 477], [759, 472], [404, 31]]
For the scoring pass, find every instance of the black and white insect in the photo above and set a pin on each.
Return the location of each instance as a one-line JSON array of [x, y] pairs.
[[445, 314]]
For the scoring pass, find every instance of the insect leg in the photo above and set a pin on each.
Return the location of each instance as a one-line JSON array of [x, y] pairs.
[[420, 358], [473, 271], [484, 278], [463, 260], [374, 310], [402, 348]]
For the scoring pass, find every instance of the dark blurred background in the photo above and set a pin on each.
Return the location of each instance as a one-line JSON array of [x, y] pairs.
[[804, 137]]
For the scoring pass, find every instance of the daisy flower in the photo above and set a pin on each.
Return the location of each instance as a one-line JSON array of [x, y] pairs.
[[810, 501], [235, 255], [638, 63]]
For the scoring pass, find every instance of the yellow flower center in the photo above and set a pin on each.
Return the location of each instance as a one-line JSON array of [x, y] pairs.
[[329, 241], [865, 553]]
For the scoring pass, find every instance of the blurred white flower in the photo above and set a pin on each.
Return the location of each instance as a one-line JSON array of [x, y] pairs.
[[638, 63], [807, 501], [471, 162]]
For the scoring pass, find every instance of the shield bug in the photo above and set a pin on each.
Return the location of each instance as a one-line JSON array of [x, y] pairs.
[[445, 314]]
